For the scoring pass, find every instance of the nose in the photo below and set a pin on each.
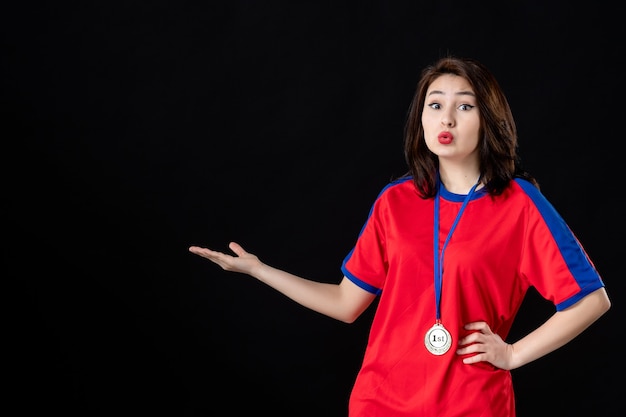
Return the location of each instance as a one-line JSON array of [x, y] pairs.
[[447, 120]]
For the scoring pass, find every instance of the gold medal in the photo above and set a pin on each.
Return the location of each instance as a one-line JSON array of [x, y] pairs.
[[438, 339]]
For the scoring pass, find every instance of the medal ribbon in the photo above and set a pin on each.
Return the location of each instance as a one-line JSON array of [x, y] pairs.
[[439, 256]]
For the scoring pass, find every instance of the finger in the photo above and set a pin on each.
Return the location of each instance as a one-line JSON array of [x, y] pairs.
[[474, 338], [236, 247], [478, 325], [206, 253], [470, 338], [468, 350], [198, 250], [479, 357]]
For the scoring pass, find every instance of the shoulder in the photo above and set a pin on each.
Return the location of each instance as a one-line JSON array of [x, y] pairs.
[[397, 190], [532, 192], [537, 203], [527, 186], [399, 185]]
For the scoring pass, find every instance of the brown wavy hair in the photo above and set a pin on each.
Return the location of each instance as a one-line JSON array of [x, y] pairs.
[[498, 143]]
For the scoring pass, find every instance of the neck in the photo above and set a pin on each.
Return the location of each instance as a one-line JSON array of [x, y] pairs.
[[459, 181]]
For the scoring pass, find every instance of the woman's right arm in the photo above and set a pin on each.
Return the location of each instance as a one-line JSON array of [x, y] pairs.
[[344, 301]]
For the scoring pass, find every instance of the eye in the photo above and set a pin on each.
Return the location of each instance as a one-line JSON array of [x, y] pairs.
[[466, 107], [435, 106]]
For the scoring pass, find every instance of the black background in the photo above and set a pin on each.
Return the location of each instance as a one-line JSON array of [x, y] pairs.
[[136, 129]]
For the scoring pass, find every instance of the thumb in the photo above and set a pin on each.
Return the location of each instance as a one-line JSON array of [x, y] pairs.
[[235, 247]]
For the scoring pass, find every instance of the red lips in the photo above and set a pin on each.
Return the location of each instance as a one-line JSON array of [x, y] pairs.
[[445, 138]]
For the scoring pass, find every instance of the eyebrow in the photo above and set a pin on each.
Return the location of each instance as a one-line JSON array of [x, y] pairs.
[[460, 93]]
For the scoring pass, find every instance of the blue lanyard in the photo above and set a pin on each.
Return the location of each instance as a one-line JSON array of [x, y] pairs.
[[439, 256]]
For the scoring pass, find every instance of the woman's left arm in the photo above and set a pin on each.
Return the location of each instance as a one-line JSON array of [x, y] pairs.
[[558, 330]]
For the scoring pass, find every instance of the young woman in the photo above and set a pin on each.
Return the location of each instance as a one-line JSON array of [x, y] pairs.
[[451, 249]]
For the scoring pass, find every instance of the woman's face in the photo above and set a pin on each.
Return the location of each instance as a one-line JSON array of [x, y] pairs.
[[451, 119]]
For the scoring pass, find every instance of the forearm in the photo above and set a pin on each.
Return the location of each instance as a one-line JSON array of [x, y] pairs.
[[560, 329], [343, 301]]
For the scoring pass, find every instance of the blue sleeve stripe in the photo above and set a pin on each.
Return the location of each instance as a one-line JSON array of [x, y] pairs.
[[575, 257], [367, 287], [391, 184], [348, 274]]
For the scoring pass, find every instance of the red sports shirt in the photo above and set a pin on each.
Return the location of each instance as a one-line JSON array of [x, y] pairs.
[[501, 246]]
